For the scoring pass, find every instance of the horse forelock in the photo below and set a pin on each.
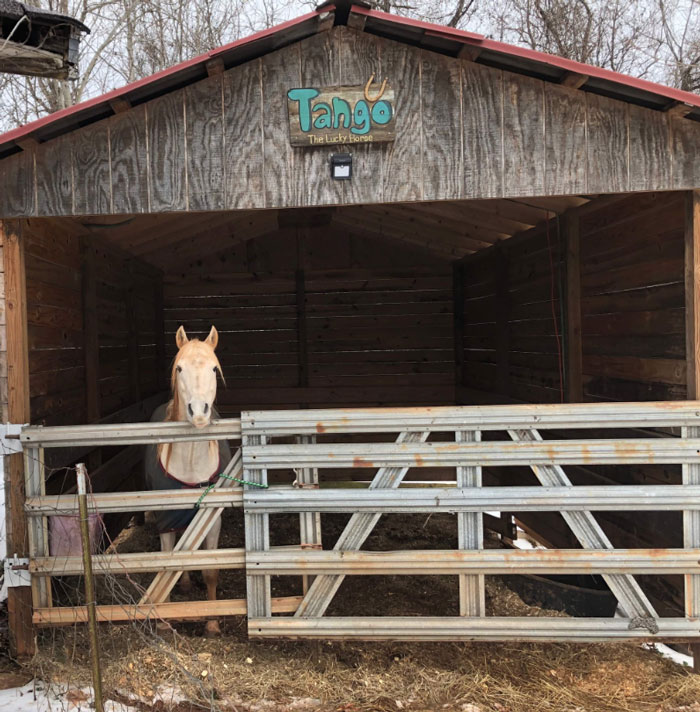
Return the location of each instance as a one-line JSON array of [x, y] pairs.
[[193, 346]]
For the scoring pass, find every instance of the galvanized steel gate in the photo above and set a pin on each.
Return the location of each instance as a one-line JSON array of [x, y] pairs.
[[393, 441], [451, 437]]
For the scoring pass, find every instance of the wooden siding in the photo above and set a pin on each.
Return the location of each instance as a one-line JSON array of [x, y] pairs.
[[463, 131], [309, 319], [633, 300], [127, 324], [632, 336]]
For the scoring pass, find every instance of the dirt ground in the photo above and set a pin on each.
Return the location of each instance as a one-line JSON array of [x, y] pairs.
[[233, 673]]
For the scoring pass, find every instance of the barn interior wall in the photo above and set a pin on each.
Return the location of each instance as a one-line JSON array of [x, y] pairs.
[[633, 300], [94, 330], [74, 287], [319, 317], [632, 315]]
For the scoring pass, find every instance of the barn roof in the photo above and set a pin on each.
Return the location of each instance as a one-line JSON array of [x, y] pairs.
[[436, 38]]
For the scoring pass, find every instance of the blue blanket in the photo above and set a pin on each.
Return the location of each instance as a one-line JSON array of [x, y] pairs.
[[157, 478]]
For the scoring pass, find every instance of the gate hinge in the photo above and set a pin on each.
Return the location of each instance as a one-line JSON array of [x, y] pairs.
[[17, 572], [9, 438]]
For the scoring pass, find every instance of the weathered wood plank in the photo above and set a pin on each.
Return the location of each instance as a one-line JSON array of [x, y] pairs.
[[54, 177], [282, 173], [244, 164], [17, 197], [93, 184], [649, 148], [482, 130], [319, 67], [205, 144], [523, 136], [574, 351], [166, 153], [360, 56], [686, 140], [607, 123], [565, 140], [692, 293], [129, 160], [402, 160], [19, 602], [441, 126]]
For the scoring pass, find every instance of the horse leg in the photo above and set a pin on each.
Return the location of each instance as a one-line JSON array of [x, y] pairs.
[[167, 543], [211, 577]]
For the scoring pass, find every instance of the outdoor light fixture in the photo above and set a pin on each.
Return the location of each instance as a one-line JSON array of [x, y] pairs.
[[341, 166]]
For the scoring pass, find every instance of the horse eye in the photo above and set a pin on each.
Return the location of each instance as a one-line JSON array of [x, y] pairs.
[[178, 369], [214, 369]]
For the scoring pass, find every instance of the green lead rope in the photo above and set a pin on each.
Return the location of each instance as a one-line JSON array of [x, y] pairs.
[[227, 477]]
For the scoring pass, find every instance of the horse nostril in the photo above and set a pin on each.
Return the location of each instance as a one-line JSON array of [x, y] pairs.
[[206, 407], [189, 407]]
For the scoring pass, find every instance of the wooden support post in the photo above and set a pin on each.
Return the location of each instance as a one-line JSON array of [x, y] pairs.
[[132, 338], [574, 341], [500, 274], [691, 473], [19, 601], [692, 293], [458, 327], [303, 355], [302, 337], [91, 345], [158, 303]]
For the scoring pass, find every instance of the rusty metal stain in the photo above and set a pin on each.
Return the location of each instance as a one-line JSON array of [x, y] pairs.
[[586, 454], [361, 462], [419, 460], [320, 428]]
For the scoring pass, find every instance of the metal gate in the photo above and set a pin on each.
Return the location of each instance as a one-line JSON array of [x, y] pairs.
[[463, 440], [456, 438]]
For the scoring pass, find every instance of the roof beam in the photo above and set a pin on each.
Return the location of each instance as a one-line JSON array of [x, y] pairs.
[[678, 109], [120, 104], [27, 143], [469, 52], [574, 80], [214, 66], [369, 232]]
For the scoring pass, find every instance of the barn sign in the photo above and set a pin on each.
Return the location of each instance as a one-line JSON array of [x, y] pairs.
[[340, 115]]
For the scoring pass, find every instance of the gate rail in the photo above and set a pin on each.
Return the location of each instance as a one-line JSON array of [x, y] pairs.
[[445, 437], [451, 437], [169, 565]]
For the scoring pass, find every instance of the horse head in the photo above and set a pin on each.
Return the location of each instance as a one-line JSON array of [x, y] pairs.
[[193, 378]]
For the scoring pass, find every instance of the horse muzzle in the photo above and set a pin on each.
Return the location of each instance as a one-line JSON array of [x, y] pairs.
[[199, 415]]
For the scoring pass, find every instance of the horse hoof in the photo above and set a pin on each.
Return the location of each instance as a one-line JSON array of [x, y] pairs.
[[212, 631]]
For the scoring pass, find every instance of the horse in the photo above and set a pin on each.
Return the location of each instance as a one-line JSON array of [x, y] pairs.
[[189, 464]]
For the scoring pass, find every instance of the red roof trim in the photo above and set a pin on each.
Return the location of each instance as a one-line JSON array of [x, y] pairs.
[[568, 65], [27, 129]]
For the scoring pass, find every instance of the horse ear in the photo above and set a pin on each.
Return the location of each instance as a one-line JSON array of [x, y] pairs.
[[181, 337], [213, 338]]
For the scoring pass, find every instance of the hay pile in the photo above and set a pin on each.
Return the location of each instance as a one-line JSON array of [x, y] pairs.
[[232, 673]]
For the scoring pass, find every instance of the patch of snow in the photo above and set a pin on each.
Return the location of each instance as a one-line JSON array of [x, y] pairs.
[[671, 654], [36, 696]]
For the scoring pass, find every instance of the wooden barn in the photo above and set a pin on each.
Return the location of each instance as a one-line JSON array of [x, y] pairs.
[[373, 211]]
